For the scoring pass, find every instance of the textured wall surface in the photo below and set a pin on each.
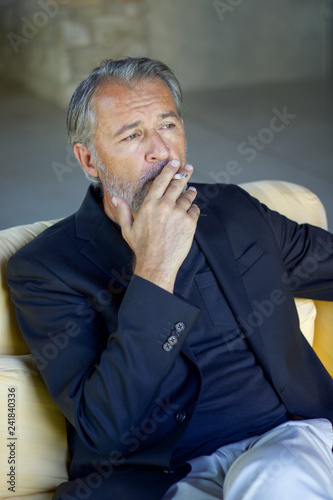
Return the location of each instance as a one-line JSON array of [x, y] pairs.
[[50, 45]]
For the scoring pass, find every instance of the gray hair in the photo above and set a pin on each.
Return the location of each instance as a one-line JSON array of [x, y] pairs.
[[81, 120]]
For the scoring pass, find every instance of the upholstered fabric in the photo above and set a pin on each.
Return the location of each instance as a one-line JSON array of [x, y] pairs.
[[307, 313], [33, 439], [323, 339], [295, 202], [35, 496], [11, 340], [300, 204]]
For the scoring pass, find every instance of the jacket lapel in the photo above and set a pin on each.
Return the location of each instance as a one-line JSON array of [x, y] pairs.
[[105, 246], [226, 262], [212, 238], [108, 250]]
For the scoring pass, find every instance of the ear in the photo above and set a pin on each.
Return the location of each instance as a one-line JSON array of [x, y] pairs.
[[83, 155]]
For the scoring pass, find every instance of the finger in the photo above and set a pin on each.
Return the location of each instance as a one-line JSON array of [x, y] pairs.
[[178, 183], [163, 180], [124, 213], [183, 173], [187, 198], [194, 211]]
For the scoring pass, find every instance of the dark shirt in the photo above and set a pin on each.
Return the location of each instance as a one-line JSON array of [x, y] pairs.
[[236, 400]]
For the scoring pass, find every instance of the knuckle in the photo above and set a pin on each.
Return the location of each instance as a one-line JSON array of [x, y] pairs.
[[195, 210], [187, 197]]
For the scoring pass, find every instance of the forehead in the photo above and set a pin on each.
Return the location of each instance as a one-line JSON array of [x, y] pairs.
[[144, 96]]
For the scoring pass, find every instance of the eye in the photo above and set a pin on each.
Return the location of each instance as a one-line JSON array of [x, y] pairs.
[[169, 125], [132, 137]]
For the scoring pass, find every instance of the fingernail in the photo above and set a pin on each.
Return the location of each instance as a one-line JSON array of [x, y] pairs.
[[175, 163], [192, 188], [114, 201], [188, 167]]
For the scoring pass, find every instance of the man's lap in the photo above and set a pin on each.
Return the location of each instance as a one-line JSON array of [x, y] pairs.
[[290, 461]]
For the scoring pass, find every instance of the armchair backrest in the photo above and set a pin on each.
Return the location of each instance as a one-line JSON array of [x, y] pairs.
[[40, 448], [302, 205], [11, 340]]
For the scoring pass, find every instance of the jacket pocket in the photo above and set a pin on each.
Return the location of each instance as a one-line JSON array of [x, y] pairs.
[[249, 257], [214, 300]]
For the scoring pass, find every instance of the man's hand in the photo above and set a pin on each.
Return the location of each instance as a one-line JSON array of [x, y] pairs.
[[162, 232]]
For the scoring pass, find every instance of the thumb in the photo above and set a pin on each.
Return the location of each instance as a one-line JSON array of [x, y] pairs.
[[124, 213]]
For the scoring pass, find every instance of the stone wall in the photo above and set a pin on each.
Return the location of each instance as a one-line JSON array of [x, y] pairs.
[[50, 45]]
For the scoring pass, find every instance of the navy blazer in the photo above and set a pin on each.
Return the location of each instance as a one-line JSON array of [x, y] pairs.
[[98, 334]]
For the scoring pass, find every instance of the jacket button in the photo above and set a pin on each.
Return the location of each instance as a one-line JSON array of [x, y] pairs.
[[175, 333], [169, 471], [173, 340], [180, 326], [167, 347], [180, 416]]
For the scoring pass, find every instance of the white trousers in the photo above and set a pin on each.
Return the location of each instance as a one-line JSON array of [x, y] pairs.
[[293, 461]]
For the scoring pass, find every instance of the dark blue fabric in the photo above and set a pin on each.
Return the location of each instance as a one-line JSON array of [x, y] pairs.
[[236, 400], [74, 281]]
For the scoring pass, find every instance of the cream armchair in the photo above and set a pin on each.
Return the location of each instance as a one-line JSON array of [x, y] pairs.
[[33, 453]]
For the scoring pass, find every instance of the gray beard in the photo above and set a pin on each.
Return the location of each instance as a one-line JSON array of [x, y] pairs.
[[132, 192]]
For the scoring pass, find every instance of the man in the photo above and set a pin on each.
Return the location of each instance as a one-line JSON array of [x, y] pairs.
[[168, 392]]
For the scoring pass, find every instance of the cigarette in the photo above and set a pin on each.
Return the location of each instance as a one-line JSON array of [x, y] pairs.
[[180, 176]]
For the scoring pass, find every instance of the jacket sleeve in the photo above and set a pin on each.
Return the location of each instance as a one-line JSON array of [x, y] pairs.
[[103, 370], [306, 251]]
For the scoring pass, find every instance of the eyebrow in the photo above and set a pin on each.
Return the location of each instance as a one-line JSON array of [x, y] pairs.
[[130, 126]]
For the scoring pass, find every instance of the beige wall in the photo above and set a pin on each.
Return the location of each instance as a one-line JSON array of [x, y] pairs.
[[50, 45]]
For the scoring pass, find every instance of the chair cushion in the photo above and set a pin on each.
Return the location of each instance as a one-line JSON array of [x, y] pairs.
[[307, 312], [11, 340], [295, 202], [301, 205], [32, 431]]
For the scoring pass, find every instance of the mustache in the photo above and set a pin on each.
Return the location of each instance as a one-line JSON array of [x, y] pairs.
[[155, 170]]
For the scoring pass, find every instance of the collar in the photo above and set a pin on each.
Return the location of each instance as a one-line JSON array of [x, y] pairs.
[[105, 244]]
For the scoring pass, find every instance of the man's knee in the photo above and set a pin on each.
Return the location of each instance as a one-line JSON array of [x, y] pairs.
[[278, 470], [259, 469]]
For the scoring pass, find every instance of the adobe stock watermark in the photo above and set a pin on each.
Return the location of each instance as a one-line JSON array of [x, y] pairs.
[[278, 122], [71, 163], [275, 468], [264, 309], [223, 176], [225, 7], [310, 264], [226, 175], [261, 311], [30, 27]]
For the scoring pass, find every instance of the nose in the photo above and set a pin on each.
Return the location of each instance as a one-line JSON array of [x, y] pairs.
[[157, 149]]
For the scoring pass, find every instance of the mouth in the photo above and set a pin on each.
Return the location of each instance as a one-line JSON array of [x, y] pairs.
[[156, 171]]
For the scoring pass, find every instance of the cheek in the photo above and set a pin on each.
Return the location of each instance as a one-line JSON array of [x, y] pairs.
[[180, 138], [180, 147], [129, 164], [119, 159], [124, 151]]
